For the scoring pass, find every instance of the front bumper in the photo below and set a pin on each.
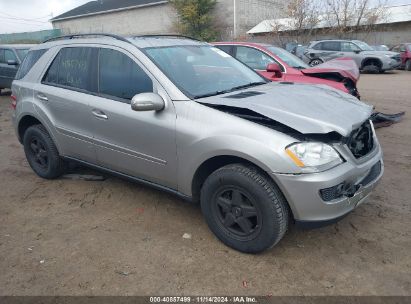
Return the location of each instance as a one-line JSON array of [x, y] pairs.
[[303, 191], [391, 64]]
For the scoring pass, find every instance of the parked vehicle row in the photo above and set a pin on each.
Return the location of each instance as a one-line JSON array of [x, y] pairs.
[[188, 118], [366, 58]]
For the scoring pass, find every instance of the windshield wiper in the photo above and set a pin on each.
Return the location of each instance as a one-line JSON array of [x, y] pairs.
[[249, 85], [211, 94], [245, 86]]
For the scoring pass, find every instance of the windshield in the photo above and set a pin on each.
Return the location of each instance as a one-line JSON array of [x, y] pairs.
[[363, 46], [288, 58], [201, 71], [22, 53]]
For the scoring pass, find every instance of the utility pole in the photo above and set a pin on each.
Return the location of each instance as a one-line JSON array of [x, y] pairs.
[[235, 19]]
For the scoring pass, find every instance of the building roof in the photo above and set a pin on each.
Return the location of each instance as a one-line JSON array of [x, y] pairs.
[[393, 14], [105, 6]]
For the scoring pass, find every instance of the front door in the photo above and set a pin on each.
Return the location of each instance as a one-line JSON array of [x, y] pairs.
[[140, 144], [257, 60]]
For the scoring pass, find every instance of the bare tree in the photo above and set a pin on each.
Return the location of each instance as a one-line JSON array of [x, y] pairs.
[[346, 17], [302, 18], [336, 18]]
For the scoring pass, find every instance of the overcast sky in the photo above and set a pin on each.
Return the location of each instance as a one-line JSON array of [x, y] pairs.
[[33, 15]]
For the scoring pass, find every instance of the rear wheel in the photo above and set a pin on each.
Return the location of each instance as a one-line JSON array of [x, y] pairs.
[[41, 153], [315, 62], [408, 65], [244, 208]]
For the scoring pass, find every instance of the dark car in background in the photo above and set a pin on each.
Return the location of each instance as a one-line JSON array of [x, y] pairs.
[[405, 53], [11, 56]]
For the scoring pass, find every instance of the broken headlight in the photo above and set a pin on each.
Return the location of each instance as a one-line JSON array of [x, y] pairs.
[[313, 156]]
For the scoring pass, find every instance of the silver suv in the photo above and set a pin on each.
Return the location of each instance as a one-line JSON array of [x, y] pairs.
[[365, 56], [187, 118]]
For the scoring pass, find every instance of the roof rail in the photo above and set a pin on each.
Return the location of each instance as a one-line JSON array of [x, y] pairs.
[[165, 36], [74, 36]]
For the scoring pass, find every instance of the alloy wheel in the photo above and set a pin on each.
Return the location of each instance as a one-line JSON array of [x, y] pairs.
[[236, 213], [39, 153]]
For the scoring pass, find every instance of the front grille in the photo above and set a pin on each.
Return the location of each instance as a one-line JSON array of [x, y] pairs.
[[374, 173], [396, 58], [332, 193], [361, 141], [348, 189]]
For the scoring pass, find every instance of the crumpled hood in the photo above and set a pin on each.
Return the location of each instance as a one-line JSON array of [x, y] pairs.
[[346, 67], [309, 109]]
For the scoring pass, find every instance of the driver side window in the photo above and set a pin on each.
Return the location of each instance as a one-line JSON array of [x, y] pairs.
[[349, 47], [255, 59]]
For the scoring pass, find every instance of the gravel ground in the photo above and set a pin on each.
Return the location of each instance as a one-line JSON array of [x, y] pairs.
[[113, 237]]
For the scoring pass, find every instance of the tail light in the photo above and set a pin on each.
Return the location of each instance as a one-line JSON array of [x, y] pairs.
[[13, 102]]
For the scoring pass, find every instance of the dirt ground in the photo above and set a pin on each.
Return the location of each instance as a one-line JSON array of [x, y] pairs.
[[113, 237]]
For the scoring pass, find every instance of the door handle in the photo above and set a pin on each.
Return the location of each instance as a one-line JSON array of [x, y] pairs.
[[100, 114], [42, 97]]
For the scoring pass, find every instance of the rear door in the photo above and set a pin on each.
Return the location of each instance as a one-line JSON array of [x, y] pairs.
[[7, 72], [331, 50], [64, 95], [140, 144]]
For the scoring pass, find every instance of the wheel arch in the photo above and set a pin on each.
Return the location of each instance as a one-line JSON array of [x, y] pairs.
[[371, 59], [28, 120]]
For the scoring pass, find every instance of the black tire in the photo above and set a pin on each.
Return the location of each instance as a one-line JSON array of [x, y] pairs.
[[315, 62], [372, 66], [42, 154], [263, 210], [408, 65]]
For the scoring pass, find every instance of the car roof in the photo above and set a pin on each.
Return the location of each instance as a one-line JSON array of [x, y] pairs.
[[17, 46], [138, 41], [256, 44], [336, 40], [163, 41]]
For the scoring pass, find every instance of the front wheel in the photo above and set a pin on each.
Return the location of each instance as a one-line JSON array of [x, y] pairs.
[[244, 208], [408, 65], [41, 153]]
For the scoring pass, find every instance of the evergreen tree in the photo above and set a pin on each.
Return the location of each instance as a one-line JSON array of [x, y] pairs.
[[196, 19]]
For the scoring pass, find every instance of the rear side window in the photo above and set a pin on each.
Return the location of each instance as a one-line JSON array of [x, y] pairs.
[[119, 76], [318, 46], [73, 68], [331, 46], [29, 61]]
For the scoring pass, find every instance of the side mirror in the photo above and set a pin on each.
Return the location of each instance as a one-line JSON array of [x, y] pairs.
[[357, 51], [147, 102], [275, 68], [12, 62]]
